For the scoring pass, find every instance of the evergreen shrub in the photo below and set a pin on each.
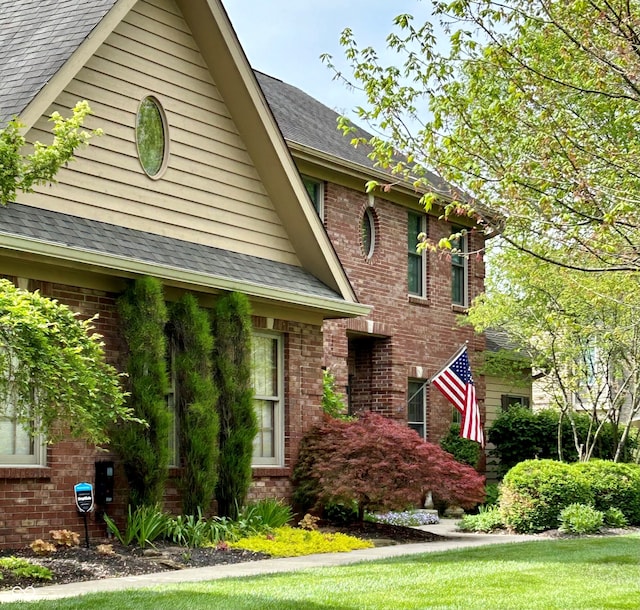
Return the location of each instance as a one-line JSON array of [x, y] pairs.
[[462, 449]]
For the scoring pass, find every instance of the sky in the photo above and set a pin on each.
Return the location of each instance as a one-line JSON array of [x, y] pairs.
[[285, 38]]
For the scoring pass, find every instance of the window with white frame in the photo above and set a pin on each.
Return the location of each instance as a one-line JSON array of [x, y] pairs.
[[459, 269], [417, 407], [315, 188], [416, 263], [268, 387], [18, 445]]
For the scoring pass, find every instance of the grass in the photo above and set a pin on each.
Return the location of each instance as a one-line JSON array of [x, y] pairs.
[[582, 573]]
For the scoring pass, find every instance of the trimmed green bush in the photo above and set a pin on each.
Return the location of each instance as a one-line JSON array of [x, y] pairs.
[[196, 397], [232, 369], [462, 449], [614, 485], [580, 519], [145, 450], [534, 492]]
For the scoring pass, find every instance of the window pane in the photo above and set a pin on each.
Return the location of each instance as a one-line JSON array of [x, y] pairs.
[[264, 442], [150, 136], [315, 192], [265, 369], [368, 233], [416, 412], [414, 275], [457, 285]]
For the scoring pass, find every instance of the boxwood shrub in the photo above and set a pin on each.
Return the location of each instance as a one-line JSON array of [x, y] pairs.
[[534, 492], [614, 485]]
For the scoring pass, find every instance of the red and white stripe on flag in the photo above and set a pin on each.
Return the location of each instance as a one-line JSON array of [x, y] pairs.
[[456, 384]]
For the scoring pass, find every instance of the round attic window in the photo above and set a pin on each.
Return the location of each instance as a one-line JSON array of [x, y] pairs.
[[151, 137]]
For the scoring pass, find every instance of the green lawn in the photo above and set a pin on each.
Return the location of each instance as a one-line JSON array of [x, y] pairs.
[[567, 574]]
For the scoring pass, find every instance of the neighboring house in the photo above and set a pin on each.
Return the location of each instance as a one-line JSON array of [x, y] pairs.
[[382, 360], [507, 384], [221, 207]]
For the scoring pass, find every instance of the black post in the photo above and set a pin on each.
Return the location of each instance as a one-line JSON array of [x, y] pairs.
[[86, 531]]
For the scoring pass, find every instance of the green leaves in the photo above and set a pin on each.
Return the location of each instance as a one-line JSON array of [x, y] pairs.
[[20, 172], [54, 370]]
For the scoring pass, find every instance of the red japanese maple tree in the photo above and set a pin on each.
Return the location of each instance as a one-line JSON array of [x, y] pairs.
[[380, 464]]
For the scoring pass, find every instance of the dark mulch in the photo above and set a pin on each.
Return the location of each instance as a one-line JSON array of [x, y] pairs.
[[77, 564]]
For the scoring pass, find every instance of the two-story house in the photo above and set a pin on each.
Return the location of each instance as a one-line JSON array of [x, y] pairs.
[[382, 360]]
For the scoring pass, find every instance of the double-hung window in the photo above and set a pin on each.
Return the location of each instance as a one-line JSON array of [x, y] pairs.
[[417, 407], [416, 267], [459, 270], [268, 384]]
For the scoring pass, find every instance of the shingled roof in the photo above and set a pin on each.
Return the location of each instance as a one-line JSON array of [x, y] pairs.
[[304, 120], [36, 38], [113, 241]]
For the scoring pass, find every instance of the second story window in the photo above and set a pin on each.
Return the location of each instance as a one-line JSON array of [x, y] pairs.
[[459, 270], [315, 188], [416, 274]]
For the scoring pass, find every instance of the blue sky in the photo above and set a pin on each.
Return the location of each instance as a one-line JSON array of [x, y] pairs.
[[285, 38]]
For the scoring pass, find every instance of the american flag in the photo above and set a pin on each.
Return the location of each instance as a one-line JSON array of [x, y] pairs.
[[456, 383]]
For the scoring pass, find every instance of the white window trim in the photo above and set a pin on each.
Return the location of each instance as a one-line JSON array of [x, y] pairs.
[[423, 254], [424, 405], [320, 183], [465, 267], [277, 460]]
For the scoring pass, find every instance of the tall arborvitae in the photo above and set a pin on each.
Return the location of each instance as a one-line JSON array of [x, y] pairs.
[[238, 423], [196, 397], [145, 450]]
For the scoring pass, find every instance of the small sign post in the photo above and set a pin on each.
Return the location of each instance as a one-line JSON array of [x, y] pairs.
[[84, 502]]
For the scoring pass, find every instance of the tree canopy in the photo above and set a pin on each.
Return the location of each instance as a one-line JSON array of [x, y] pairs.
[[530, 107], [54, 375]]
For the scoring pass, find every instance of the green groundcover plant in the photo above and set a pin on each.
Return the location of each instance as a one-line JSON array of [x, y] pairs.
[[294, 542]]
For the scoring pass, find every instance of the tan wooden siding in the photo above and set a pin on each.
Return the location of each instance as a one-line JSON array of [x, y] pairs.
[[211, 192], [495, 388]]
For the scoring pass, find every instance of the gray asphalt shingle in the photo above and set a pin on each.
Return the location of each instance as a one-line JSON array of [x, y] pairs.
[[63, 229]]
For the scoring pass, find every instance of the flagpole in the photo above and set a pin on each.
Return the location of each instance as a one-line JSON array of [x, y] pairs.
[[460, 350], [422, 386]]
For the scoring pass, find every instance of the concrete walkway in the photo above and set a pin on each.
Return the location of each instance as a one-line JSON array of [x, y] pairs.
[[446, 528]]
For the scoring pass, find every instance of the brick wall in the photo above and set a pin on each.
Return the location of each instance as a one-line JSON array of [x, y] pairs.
[[34, 501], [403, 337]]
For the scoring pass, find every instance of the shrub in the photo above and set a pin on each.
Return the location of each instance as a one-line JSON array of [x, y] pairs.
[[534, 492], [145, 449], [292, 542], [232, 368], [189, 530], [614, 485], [487, 520], [462, 449], [332, 401], [492, 494], [614, 517], [191, 344], [519, 434], [379, 464], [580, 519], [65, 537]]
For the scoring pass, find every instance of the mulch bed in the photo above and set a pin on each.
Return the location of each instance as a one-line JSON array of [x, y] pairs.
[[77, 564]]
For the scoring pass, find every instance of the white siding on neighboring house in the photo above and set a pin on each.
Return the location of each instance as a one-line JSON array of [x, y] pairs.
[[496, 388], [211, 192]]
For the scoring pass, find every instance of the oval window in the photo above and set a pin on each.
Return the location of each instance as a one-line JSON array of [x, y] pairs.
[[151, 137], [368, 232]]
